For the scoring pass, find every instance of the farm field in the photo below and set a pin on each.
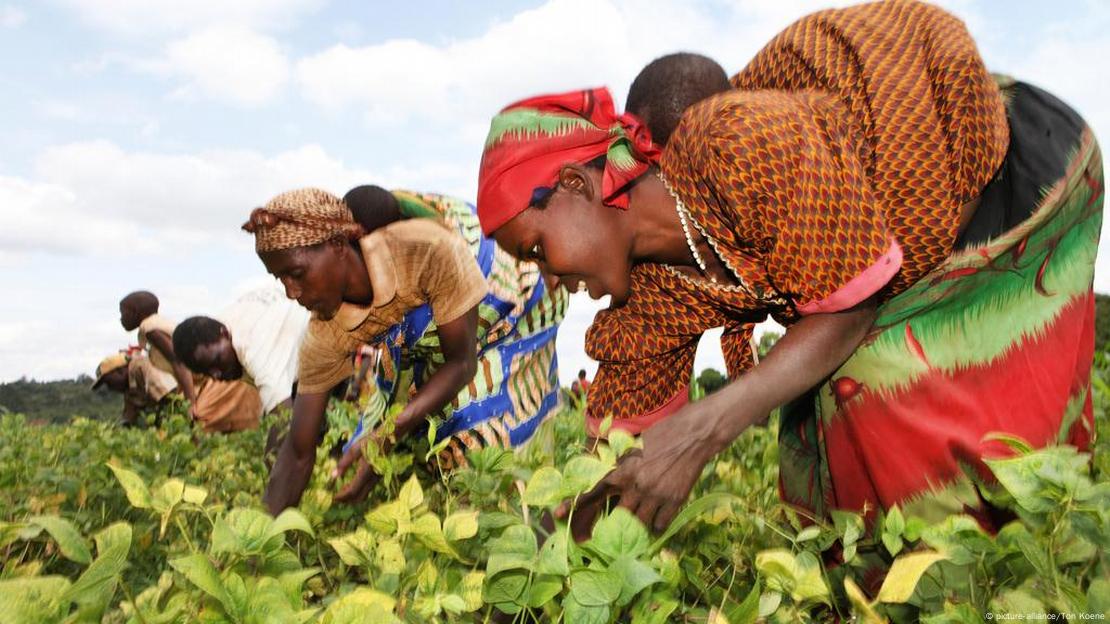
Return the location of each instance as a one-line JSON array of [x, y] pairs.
[[104, 524]]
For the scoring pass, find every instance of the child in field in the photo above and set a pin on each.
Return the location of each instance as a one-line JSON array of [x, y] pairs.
[[221, 406], [132, 374]]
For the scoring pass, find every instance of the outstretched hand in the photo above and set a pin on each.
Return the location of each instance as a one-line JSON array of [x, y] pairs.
[[654, 482], [365, 478]]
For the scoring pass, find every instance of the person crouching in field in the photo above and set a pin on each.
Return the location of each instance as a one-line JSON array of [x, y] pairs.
[[142, 385], [256, 341], [470, 332], [218, 406], [926, 233]]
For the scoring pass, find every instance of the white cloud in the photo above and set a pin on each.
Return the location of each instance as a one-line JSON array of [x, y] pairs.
[[180, 197], [546, 49], [229, 63], [147, 18], [48, 218], [12, 16], [95, 198]]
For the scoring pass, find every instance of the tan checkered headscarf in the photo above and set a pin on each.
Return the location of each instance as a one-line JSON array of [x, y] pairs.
[[301, 218]]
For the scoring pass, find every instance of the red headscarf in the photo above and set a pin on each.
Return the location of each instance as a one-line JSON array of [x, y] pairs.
[[531, 140]]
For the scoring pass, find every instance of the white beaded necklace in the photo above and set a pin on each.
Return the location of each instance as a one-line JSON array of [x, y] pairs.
[[680, 208]]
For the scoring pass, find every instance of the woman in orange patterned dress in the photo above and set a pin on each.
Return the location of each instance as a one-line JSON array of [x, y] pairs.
[[926, 233]]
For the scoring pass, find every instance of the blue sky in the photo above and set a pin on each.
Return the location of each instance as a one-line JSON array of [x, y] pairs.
[[137, 134]]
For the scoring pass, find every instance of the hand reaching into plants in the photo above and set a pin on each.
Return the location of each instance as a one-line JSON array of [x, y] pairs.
[[654, 483], [365, 477]]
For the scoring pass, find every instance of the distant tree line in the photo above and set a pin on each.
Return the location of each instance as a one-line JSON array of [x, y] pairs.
[[59, 401]]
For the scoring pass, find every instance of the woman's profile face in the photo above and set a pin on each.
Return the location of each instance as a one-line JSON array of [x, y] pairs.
[[314, 276], [576, 239]]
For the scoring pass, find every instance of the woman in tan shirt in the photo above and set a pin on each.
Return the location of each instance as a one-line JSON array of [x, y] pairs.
[[414, 284]]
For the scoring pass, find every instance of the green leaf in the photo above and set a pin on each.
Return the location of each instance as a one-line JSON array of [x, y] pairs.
[[542, 590], [1022, 476], [288, 520], [848, 525], [545, 488], [1018, 445], [390, 518], [453, 604], [470, 588], [506, 588], [914, 527], [553, 554], [698, 507], [1017, 601], [892, 542], [810, 583], [96, 586], [426, 529], [578, 613], [592, 587], [769, 603], [137, 492], [635, 577], [656, 610], [292, 584], [237, 596], [800, 575], [581, 474], [516, 548], [494, 520], [244, 531], [34, 600], [808, 533], [894, 523], [620, 533], [412, 496], [361, 606], [860, 604], [903, 576], [198, 570], [389, 557], [9, 532], [461, 525], [353, 548], [168, 495], [69, 539], [777, 568], [604, 427], [747, 611], [194, 495], [1098, 596], [621, 442]]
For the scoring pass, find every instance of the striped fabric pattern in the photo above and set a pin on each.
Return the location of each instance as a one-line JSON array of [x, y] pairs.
[[517, 381]]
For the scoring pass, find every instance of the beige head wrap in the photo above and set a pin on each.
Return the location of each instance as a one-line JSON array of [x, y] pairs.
[[300, 218]]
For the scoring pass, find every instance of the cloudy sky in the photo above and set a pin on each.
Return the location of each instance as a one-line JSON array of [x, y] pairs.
[[137, 134]]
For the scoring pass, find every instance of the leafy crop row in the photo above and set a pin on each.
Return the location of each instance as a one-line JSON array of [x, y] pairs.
[[99, 523]]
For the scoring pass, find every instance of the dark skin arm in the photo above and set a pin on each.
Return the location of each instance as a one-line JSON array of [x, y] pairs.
[[297, 456], [162, 341], [655, 482], [457, 340]]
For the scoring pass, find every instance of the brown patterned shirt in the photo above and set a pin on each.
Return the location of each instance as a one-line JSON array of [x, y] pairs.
[[838, 170]]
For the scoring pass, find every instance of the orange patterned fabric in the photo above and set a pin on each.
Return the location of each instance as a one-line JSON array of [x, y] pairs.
[[884, 122], [929, 118]]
